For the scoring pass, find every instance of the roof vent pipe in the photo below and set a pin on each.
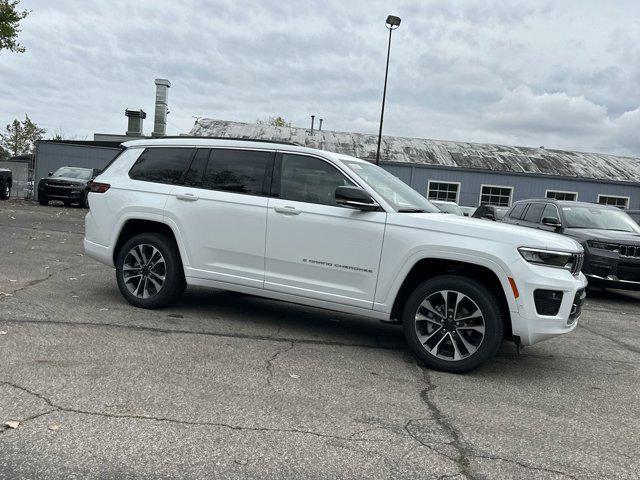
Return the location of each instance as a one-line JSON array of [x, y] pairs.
[[320, 126], [162, 107], [313, 119], [134, 124]]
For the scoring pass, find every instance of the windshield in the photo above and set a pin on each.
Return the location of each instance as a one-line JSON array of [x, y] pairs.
[[449, 208], [398, 194], [73, 172], [597, 217]]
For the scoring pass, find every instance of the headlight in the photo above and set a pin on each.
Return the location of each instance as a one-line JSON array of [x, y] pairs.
[[549, 258], [613, 247]]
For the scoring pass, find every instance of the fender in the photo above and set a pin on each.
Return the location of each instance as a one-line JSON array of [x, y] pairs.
[[385, 303]]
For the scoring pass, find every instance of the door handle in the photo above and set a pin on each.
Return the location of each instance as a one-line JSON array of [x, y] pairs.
[[287, 210], [187, 197]]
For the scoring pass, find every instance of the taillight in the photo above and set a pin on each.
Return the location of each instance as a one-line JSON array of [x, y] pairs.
[[97, 187]]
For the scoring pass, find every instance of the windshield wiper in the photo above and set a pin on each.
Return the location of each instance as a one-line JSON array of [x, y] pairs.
[[411, 210]]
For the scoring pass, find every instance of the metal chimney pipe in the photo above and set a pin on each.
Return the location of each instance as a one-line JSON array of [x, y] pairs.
[[313, 119], [162, 107], [320, 126], [134, 126]]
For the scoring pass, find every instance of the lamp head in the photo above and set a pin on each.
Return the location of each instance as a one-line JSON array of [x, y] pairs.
[[392, 22]]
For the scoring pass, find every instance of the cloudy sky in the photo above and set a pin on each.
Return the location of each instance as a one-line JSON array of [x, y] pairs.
[[562, 74]]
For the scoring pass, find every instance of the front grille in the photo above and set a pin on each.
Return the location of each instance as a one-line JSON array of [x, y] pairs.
[[577, 260], [629, 251]]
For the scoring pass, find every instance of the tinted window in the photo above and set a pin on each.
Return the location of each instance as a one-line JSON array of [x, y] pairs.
[[162, 165], [517, 211], [196, 170], [534, 213], [550, 211], [311, 180], [239, 171]]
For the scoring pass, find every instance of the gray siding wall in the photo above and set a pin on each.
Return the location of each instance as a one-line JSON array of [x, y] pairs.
[[51, 156], [525, 186]]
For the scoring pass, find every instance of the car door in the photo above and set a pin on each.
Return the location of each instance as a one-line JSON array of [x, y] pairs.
[[221, 213], [533, 215], [316, 248]]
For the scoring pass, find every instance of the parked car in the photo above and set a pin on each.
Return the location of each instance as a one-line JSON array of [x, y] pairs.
[[635, 214], [610, 237], [448, 207], [6, 181], [490, 212], [69, 184], [468, 211], [327, 230]]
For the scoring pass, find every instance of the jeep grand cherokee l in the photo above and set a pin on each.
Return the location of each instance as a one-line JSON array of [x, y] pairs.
[[69, 184], [610, 237], [330, 231]]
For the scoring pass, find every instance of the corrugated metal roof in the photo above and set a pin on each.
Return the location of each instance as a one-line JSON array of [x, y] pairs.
[[480, 156]]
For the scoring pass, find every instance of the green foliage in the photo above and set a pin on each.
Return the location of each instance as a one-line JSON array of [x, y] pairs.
[[10, 18], [21, 137], [4, 155], [275, 121]]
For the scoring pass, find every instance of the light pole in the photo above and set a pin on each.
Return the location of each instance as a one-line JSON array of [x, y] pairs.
[[392, 23]]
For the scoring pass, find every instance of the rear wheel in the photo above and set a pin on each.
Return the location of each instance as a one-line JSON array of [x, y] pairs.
[[453, 323], [5, 193], [149, 271]]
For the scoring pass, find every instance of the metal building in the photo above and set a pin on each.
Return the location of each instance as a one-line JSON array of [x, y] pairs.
[[467, 173]]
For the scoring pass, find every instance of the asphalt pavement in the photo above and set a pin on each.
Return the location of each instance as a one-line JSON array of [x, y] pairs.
[[225, 385]]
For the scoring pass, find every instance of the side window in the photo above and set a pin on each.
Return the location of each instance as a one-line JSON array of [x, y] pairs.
[[311, 180], [550, 211], [162, 165], [534, 213], [517, 211], [238, 171], [196, 170]]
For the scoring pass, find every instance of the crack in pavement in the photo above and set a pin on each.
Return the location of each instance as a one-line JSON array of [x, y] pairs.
[[465, 452], [246, 336], [37, 281], [59, 408], [272, 359], [4, 428]]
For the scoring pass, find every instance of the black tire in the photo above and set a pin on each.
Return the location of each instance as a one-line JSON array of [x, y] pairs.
[[477, 297], [67, 203], [43, 200], [5, 193], [84, 200], [174, 282]]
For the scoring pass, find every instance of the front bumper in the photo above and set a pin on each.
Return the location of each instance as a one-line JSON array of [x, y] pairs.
[[527, 323], [73, 194], [608, 269]]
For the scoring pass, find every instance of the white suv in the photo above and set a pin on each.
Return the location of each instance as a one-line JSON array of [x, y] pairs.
[[330, 231]]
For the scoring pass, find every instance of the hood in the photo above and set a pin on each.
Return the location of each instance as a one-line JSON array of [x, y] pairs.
[[478, 230], [613, 236]]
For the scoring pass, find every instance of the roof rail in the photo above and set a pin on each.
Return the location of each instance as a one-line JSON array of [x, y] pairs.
[[260, 140]]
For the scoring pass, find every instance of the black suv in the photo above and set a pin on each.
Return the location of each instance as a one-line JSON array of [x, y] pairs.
[[610, 237], [69, 184]]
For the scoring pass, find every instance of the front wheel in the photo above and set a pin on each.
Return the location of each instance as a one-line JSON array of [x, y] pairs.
[[453, 323], [149, 271], [43, 200]]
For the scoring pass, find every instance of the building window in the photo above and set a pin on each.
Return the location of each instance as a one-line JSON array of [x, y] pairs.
[[495, 195], [447, 191], [614, 201], [560, 195]]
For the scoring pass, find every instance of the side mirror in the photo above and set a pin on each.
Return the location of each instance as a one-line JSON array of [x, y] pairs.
[[490, 216], [49, 174], [355, 197], [551, 222]]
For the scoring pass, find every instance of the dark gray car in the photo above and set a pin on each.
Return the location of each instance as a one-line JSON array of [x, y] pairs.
[[610, 237]]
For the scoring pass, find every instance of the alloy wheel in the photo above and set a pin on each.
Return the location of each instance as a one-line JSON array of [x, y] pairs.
[[449, 325], [144, 271]]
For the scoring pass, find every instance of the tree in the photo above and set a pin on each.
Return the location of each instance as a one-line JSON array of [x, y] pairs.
[[10, 18], [21, 137], [4, 155], [275, 121]]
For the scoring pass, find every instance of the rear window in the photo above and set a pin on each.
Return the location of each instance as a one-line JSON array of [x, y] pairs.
[[239, 171], [517, 210], [162, 165]]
